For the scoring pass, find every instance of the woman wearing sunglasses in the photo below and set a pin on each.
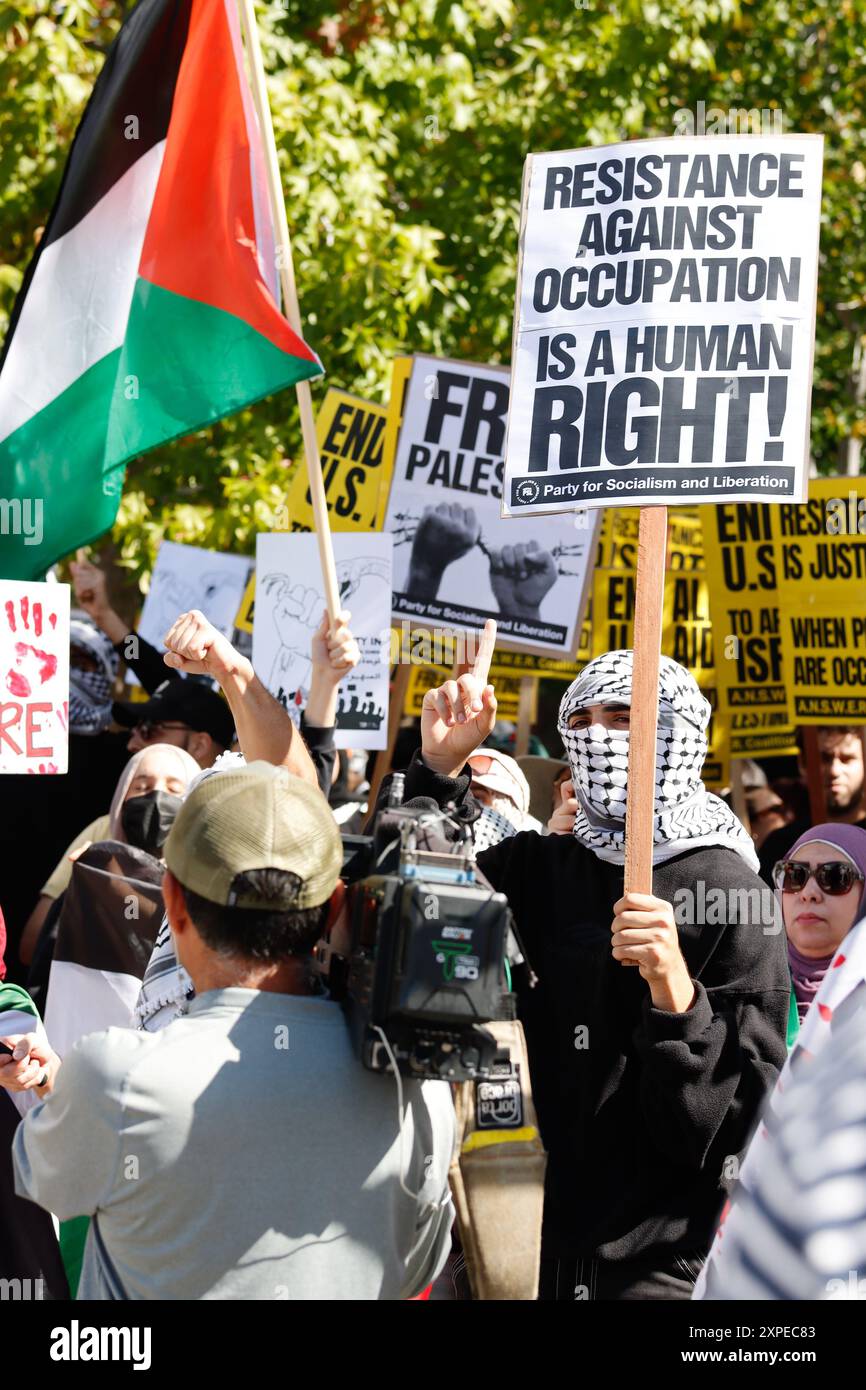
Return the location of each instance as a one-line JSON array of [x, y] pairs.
[[822, 889]]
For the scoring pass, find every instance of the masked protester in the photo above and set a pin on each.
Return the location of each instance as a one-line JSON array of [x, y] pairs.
[[90, 682], [148, 796], [653, 1037], [502, 791]]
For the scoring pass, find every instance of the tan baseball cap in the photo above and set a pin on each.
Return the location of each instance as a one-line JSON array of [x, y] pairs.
[[255, 817]]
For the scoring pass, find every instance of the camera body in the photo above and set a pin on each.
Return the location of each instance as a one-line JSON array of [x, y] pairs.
[[425, 969]]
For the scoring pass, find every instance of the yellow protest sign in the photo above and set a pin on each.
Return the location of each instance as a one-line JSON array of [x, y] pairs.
[[244, 615], [823, 603], [351, 435], [527, 664], [426, 678], [743, 574], [687, 634], [803, 560]]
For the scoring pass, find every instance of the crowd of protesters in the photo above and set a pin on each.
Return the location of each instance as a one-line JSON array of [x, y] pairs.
[[179, 1091]]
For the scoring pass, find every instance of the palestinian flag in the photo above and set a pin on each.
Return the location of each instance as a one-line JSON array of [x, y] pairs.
[[151, 307], [105, 935]]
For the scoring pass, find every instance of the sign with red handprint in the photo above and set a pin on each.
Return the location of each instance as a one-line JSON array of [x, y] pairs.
[[34, 677]]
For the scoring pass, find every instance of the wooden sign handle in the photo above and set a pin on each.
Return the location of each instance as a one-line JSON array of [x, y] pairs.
[[640, 797]]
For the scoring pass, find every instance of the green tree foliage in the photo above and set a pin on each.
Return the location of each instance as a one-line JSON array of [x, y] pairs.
[[402, 129]]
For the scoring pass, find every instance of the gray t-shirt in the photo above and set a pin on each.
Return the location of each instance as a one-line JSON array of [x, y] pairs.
[[243, 1152]]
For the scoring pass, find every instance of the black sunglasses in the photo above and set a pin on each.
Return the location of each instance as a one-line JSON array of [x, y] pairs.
[[835, 879], [148, 728]]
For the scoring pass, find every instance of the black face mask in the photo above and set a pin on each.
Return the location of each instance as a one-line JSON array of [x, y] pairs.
[[147, 819]]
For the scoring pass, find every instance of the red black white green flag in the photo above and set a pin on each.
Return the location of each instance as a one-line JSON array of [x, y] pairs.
[[151, 307]]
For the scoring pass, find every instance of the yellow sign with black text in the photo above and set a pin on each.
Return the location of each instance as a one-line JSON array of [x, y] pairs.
[[426, 678], [351, 435]]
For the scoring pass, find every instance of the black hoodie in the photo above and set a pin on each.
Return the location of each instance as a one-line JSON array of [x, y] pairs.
[[642, 1112]]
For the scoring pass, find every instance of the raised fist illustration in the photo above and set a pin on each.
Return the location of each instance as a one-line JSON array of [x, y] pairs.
[[445, 533], [520, 576]]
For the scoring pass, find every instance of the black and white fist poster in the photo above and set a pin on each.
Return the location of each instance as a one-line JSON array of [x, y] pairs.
[[289, 604], [456, 562]]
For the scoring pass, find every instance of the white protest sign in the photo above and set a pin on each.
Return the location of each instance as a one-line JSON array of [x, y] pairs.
[[289, 603], [664, 323], [34, 677], [185, 577], [458, 562]]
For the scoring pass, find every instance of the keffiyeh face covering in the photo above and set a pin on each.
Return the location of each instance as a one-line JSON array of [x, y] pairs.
[[686, 815], [90, 691]]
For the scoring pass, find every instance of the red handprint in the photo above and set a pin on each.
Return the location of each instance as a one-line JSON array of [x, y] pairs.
[[30, 662]]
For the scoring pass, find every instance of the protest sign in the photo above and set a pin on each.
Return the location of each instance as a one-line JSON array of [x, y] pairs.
[[185, 577], [246, 613], [527, 664], [664, 323], [743, 574], [351, 433], [289, 603], [824, 659], [424, 678], [458, 563], [34, 668], [687, 637], [822, 553]]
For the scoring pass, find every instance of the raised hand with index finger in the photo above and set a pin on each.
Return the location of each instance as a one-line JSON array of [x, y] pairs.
[[459, 715]]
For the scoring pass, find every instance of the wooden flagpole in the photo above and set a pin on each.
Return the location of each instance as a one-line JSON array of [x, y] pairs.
[[640, 796], [291, 307]]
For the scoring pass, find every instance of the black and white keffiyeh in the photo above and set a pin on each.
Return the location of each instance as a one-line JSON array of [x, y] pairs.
[[686, 814], [90, 691], [499, 822]]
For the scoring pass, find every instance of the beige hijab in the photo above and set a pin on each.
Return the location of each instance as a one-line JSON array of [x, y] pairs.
[[180, 763]]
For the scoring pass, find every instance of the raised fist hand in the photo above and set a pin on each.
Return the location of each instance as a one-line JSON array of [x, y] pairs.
[[445, 534], [195, 646], [335, 652], [89, 584], [520, 576]]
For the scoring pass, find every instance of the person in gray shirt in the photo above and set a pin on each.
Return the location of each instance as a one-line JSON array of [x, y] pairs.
[[243, 1152]]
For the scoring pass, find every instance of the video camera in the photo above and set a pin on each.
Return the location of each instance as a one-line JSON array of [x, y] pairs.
[[426, 964]]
